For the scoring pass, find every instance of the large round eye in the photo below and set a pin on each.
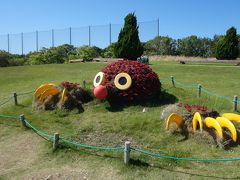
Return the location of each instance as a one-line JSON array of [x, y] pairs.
[[123, 81], [99, 79]]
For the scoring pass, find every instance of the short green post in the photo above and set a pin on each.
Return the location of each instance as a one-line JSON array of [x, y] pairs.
[[15, 98], [127, 152], [173, 81], [55, 141], [199, 90], [84, 84], [22, 119], [235, 103]]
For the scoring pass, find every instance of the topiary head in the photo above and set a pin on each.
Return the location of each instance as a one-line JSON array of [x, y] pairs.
[[126, 81]]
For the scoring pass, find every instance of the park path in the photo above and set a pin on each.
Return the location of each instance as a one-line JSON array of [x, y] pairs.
[[23, 155]]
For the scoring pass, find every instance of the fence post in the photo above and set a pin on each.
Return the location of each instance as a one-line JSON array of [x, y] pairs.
[[84, 84], [8, 42], [37, 41], [55, 141], [127, 152], [110, 34], [22, 119], [89, 35], [22, 42], [15, 98], [173, 81], [235, 103], [70, 36], [52, 37], [199, 90]]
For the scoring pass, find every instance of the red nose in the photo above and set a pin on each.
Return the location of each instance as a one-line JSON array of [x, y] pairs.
[[100, 92]]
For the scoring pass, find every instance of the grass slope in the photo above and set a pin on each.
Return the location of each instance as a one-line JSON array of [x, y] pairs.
[[99, 126]]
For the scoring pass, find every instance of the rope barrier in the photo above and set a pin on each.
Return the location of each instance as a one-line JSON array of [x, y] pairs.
[[41, 133], [92, 147], [5, 102], [8, 116], [185, 158], [213, 94], [190, 86], [21, 94], [68, 142]]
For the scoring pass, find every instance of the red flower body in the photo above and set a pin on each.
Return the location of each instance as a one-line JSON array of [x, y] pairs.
[[145, 82]]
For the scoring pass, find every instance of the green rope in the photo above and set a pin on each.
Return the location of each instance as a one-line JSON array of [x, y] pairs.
[[20, 94], [92, 147], [41, 133], [189, 86], [8, 117], [50, 137], [213, 94], [185, 158], [6, 101]]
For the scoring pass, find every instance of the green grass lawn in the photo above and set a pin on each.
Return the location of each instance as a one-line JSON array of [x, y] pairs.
[[99, 126]]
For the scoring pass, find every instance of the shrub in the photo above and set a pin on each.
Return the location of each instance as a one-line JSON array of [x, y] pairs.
[[87, 53], [129, 45], [54, 55], [17, 61], [227, 46], [4, 57], [109, 51], [35, 58]]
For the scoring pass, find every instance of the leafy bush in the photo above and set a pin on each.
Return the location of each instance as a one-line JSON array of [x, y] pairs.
[[109, 51], [87, 53], [129, 45], [35, 58], [4, 57], [17, 61], [227, 47], [54, 55]]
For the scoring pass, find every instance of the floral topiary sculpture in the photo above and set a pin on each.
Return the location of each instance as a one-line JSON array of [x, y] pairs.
[[65, 95], [126, 81]]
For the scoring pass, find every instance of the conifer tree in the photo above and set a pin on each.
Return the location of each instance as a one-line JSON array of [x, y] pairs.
[[128, 45]]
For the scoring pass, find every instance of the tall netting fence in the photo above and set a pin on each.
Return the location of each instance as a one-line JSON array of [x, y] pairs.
[[92, 35]]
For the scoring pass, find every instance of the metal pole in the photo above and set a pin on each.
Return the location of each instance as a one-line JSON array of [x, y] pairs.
[[89, 35], [173, 81], [8, 41], [70, 36], [235, 103], [127, 152], [199, 90], [84, 84], [22, 42], [37, 41], [55, 141], [158, 27], [15, 98], [22, 119], [110, 34], [52, 37]]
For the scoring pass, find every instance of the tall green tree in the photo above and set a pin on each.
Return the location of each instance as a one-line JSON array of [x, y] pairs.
[[129, 45], [195, 46], [161, 45], [227, 47]]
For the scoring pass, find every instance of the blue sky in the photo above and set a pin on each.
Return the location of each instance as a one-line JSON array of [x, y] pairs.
[[178, 18]]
